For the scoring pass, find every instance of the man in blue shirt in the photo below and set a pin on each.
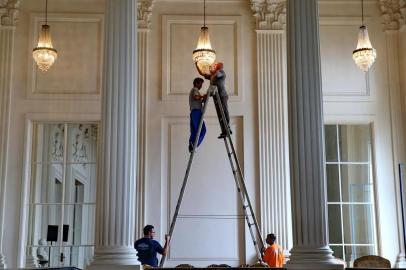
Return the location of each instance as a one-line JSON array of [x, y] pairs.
[[148, 248]]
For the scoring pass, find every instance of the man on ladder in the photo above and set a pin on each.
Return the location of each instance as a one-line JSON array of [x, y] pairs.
[[232, 156]]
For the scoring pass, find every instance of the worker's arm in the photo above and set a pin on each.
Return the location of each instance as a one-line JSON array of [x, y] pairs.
[[166, 246], [199, 97]]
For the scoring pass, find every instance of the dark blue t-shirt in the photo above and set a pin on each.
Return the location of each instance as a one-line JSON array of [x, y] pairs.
[[147, 249]]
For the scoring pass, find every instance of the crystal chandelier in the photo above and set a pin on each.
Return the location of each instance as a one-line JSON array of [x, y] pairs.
[[44, 54], [204, 55], [365, 55]]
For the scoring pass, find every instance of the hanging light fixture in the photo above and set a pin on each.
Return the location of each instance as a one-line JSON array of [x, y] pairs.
[[365, 55], [44, 54], [204, 55]]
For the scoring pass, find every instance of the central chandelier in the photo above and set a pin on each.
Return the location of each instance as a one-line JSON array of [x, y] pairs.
[[44, 54], [364, 55], [204, 55]]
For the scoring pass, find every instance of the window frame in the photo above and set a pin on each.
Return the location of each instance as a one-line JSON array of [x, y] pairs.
[[372, 174]]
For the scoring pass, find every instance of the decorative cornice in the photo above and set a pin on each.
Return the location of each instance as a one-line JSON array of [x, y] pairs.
[[144, 12], [393, 13], [269, 14], [9, 12]]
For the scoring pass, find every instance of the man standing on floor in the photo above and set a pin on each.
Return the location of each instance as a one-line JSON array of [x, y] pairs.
[[148, 248], [273, 254]]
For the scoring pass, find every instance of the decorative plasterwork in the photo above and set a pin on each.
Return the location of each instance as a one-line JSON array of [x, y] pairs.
[[9, 12], [144, 12], [82, 136], [393, 13], [269, 14], [57, 141]]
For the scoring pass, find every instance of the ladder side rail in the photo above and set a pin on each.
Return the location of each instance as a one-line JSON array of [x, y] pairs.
[[222, 115], [244, 206], [244, 188], [182, 191]]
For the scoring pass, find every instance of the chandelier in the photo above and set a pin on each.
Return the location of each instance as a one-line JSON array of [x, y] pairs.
[[204, 55], [44, 54], [364, 55]]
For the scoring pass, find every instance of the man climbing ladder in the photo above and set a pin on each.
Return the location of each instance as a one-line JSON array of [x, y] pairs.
[[237, 173]]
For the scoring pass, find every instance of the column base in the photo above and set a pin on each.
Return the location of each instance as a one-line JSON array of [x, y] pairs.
[[2, 262], [31, 262], [115, 258], [313, 259], [400, 261]]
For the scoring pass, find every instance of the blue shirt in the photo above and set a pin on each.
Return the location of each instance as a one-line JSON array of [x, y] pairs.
[[147, 249]]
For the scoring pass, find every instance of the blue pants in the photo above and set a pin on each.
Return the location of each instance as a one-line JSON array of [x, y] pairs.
[[195, 116]]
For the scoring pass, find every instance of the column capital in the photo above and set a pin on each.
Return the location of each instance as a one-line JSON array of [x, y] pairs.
[[9, 12], [393, 13], [144, 12], [269, 14]]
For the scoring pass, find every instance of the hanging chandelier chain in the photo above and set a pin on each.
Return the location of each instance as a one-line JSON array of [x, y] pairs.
[[204, 13], [46, 11], [362, 11]]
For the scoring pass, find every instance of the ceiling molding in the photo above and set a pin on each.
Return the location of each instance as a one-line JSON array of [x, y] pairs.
[[9, 12]]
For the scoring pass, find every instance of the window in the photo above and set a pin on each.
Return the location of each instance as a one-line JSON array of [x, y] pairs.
[[350, 191], [62, 194]]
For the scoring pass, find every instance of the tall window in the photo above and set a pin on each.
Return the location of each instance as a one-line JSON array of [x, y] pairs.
[[350, 191], [62, 194]]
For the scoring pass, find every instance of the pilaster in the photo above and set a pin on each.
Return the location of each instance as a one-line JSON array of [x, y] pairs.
[[8, 20]]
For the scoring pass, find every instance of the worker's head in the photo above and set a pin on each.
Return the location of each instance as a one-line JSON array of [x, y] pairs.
[[215, 67], [270, 239], [198, 82], [149, 231]]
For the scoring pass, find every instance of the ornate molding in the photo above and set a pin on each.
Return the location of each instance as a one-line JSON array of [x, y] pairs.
[[393, 13], [83, 135], [9, 12], [269, 14], [144, 12], [57, 142]]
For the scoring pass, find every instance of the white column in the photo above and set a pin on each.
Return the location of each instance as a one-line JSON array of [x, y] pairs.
[[395, 99], [8, 20], [392, 23], [116, 189], [273, 136], [306, 136], [144, 12], [270, 19]]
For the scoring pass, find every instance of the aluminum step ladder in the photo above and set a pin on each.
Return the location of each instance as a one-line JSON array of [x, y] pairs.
[[249, 214]]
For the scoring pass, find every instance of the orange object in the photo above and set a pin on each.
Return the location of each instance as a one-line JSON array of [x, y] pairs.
[[274, 256]]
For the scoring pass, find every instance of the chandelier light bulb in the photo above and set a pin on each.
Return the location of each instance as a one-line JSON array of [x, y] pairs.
[[204, 55], [365, 55]]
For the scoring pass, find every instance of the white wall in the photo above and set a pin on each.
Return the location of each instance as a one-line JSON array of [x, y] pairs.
[[213, 236], [71, 91], [350, 96]]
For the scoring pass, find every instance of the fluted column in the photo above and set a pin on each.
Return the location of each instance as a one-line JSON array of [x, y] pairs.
[[270, 19], [306, 137], [116, 190], [8, 20], [273, 136], [393, 21], [144, 12]]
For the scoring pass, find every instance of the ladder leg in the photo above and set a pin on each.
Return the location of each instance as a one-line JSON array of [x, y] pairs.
[[240, 181], [242, 196], [182, 190]]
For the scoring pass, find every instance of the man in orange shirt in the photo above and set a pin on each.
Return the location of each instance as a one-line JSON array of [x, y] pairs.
[[273, 254]]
